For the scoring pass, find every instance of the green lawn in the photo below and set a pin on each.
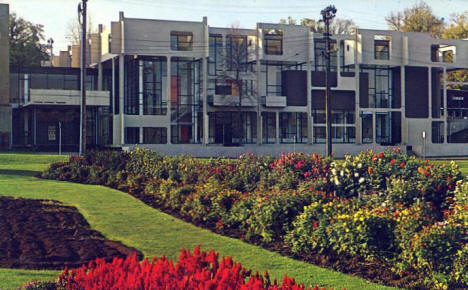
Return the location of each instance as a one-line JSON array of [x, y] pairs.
[[119, 216]]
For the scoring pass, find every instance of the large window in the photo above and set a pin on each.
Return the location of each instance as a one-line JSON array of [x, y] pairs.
[[215, 60], [154, 79], [154, 135], [181, 40], [231, 128], [380, 86], [269, 127], [343, 129], [131, 97], [293, 127], [320, 57], [381, 47], [273, 39], [237, 54]]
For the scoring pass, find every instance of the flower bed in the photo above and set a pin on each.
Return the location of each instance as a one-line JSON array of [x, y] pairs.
[[199, 270], [385, 208]]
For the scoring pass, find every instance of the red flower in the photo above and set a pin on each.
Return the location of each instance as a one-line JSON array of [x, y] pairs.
[[402, 164], [374, 158], [392, 161], [369, 170], [315, 224], [381, 155]]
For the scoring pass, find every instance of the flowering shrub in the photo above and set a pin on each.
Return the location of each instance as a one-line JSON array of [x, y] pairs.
[[199, 270], [345, 228], [384, 206]]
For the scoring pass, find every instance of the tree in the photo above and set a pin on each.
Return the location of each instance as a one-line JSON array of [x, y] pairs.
[[418, 18], [74, 30], [457, 28], [338, 25], [26, 47]]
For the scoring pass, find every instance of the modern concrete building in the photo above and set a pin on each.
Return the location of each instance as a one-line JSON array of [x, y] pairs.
[[185, 87]]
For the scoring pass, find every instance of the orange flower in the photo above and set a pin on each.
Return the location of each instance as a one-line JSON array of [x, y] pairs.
[[369, 170]]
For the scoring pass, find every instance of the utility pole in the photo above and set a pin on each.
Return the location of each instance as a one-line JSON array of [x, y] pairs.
[[82, 19], [327, 15]]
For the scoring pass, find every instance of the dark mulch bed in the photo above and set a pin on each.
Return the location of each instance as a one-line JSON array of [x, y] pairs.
[[43, 234], [374, 271]]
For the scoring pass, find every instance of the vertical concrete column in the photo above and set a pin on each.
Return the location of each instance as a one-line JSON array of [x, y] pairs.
[[113, 87], [122, 77], [140, 139], [309, 87], [257, 76], [168, 98], [277, 127], [99, 83], [446, 125], [206, 51], [140, 87]]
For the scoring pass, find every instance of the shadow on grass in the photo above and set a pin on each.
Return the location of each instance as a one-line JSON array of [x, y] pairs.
[[19, 172]]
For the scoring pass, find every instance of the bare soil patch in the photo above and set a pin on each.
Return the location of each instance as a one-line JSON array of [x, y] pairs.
[[44, 234]]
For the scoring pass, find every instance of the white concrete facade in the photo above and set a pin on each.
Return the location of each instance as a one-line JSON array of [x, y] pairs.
[[180, 84]]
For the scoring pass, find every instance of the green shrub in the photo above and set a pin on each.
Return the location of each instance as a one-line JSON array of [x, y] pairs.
[[274, 213]]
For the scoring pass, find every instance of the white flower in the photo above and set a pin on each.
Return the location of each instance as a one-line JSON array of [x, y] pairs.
[[359, 165], [333, 171], [356, 174], [341, 173], [361, 180]]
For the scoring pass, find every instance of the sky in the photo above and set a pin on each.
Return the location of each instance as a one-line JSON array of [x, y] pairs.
[[56, 15]]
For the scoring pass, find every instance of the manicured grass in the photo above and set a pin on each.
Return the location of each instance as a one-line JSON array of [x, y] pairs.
[[118, 216]]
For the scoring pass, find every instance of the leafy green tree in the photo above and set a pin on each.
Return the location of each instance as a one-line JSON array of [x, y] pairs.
[[418, 18], [26, 48]]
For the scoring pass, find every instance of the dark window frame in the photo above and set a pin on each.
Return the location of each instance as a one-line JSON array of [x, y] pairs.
[[273, 36], [179, 43], [384, 52]]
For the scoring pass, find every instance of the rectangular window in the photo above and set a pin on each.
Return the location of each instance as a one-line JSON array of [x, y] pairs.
[[154, 135], [237, 54], [320, 58], [269, 127], [343, 128], [293, 127], [215, 59], [273, 39], [154, 79], [380, 86], [131, 98], [367, 128], [382, 47], [181, 40], [443, 53], [132, 135], [438, 132]]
